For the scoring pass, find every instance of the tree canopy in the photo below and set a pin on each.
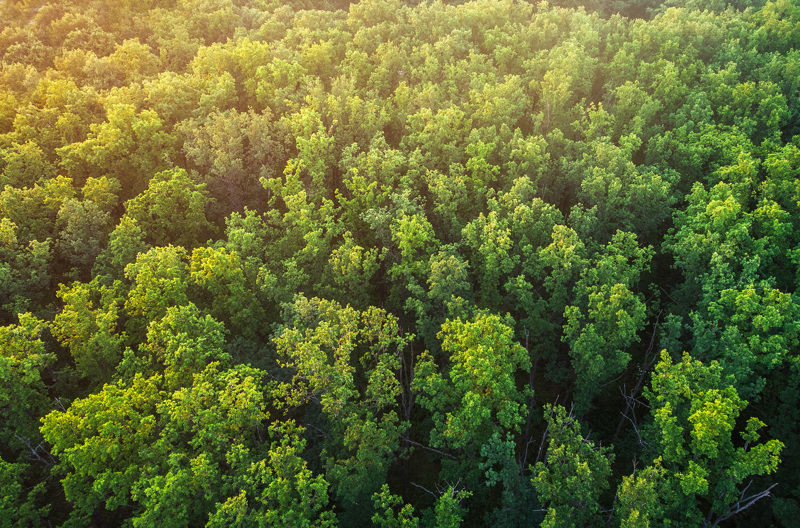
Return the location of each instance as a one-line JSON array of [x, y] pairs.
[[405, 263]]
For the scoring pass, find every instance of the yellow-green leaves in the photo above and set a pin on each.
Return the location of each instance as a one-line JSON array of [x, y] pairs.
[[159, 281], [695, 412], [346, 362], [573, 474], [87, 326], [23, 395], [477, 395], [172, 210], [166, 457]]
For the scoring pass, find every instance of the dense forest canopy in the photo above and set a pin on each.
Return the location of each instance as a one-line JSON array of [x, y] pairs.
[[399, 263]]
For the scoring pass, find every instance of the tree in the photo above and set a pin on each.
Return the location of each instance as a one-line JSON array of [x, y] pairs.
[[603, 315], [213, 421], [33, 210], [159, 279], [302, 235], [25, 165], [24, 362], [573, 475], [369, 177], [179, 345], [228, 294], [698, 469], [344, 362], [84, 230], [277, 490], [20, 505], [568, 72], [130, 146], [125, 243], [742, 319], [637, 498], [413, 236], [477, 396], [750, 330], [615, 194], [504, 468], [87, 326], [159, 456], [102, 444], [103, 191], [24, 271], [490, 240], [386, 517], [233, 151], [352, 268], [172, 210], [136, 60], [448, 511], [172, 437]]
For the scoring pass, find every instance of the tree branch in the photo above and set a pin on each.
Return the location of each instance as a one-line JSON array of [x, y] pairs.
[[431, 449], [435, 496], [34, 452], [649, 360], [741, 505]]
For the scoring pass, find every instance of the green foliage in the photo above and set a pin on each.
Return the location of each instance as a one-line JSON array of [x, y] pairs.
[[478, 395], [615, 194], [519, 500], [639, 497], [25, 165], [172, 210], [220, 273], [694, 416], [87, 326], [102, 442], [602, 315], [181, 344], [392, 176], [125, 243], [23, 398], [233, 151], [24, 270], [20, 506], [573, 475], [386, 517], [328, 348], [353, 268], [448, 511], [158, 455], [278, 490], [104, 192], [33, 210], [131, 146], [159, 280], [84, 228]]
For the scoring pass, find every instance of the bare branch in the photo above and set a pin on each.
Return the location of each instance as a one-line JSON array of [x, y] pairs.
[[431, 449], [33, 453], [741, 505], [639, 440], [541, 445], [649, 360], [322, 433], [435, 496]]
